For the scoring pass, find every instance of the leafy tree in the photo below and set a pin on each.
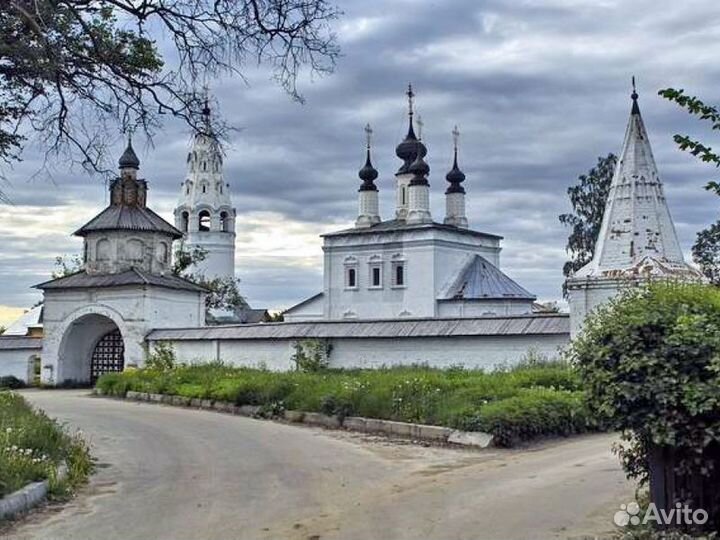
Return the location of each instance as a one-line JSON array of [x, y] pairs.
[[706, 250], [588, 199], [74, 71], [2, 329], [223, 294], [650, 365]]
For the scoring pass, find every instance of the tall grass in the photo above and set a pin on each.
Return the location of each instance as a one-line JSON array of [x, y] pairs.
[[516, 404], [33, 446]]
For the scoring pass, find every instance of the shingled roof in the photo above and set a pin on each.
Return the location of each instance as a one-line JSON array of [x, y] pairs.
[[479, 279], [128, 218], [134, 276]]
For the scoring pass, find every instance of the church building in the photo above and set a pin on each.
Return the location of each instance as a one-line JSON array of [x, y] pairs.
[[412, 266]]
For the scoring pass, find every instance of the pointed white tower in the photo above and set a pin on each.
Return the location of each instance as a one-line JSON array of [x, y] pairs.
[[637, 240], [205, 213], [455, 193], [368, 204]]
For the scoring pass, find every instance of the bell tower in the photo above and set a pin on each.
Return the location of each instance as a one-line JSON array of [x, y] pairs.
[[204, 213]]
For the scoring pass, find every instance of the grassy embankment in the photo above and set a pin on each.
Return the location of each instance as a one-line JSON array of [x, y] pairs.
[[518, 404], [33, 446]]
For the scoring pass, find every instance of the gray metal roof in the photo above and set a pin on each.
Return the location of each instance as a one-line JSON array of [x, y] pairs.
[[134, 276], [480, 279], [306, 301], [128, 218], [395, 225], [535, 324], [20, 342]]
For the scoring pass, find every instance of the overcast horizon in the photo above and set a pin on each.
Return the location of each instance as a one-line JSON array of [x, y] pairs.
[[539, 90]]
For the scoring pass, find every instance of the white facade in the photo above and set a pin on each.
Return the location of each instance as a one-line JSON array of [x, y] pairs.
[[75, 320], [204, 212], [637, 240]]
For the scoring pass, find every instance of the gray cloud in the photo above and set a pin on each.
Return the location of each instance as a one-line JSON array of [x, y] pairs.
[[540, 89]]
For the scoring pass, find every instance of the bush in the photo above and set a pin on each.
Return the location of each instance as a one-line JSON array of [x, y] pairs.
[[516, 404], [650, 362], [10, 382]]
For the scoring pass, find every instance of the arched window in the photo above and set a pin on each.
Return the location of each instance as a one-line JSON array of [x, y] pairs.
[[184, 220], [404, 199], [224, 222], [399, 275], [220, 188], [135, 250], [204, 169], [204, 188], [102, 250], [204, 220], [162, 252], [351, 278]]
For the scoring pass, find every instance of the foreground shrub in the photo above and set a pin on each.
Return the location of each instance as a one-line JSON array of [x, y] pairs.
[[32, 446], [10, 382], [650, 361]]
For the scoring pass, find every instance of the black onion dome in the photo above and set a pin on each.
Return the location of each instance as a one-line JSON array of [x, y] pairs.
[[455, 177], [129, 159], [420, 169], [368, 174], [409, 149]]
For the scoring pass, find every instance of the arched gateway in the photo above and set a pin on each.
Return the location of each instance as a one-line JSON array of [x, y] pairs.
[[91, 345]]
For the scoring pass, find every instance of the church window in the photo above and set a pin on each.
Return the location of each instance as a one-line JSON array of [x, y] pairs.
[[135, 249], [351, 282], [204, 169], [220, 188], [398, 274], [163, 252], [224, 222], [376, 276], [403, 195], [204, 220], [204, 188], [102, 250]]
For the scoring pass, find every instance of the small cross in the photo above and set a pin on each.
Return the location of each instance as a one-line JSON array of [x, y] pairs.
[[456, 136], [411, 95], [420, 125], [368, 134]]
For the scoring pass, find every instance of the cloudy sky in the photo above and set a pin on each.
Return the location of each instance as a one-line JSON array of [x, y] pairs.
[[539, 88]]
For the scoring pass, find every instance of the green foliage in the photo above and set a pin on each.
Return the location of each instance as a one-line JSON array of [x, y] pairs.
[[312, 355], [223, 293], [10, 382], [706, 252], [588, 199], [162, 358], [535, 398], [530, 414], [2, 329], [32, 446], [650, 364]]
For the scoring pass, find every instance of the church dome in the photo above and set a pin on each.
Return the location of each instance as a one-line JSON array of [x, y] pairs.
[[129, 158], [368, 174]]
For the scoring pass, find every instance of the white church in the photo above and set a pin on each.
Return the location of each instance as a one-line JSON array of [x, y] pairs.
[[408, 289]]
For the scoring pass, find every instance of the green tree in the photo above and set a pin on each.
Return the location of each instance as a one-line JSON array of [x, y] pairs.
[[588, 199], [706, 250], [650, 365], [66, 265], [72, 72], [2, 329]]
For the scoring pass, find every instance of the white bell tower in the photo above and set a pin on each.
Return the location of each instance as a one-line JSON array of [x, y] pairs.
[[204, 212]]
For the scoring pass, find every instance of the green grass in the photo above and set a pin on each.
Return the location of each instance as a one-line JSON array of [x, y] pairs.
[[517, 404], [32, 446]]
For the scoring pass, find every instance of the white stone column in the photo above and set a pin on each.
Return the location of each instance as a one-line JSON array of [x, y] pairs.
[[455, 210]]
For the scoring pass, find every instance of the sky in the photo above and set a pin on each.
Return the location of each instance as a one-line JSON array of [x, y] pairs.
[[538, 88]]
